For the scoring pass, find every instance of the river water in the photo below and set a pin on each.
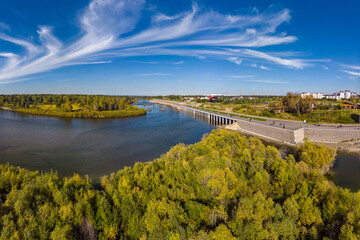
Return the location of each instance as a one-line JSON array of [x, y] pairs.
[[97, 147], [94, 146]]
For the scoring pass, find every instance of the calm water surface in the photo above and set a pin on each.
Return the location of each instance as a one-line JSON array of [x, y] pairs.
[[347, 170], [96, 147]]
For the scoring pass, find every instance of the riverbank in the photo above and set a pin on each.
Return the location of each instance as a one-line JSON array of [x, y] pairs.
[[131, 111], [284, 117], [325, 116], [290, 132]]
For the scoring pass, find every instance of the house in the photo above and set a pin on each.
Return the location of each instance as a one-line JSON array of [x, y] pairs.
[[213, 98], [349, 105]]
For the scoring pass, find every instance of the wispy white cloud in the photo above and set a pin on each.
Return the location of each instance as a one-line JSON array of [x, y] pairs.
[[264, 67], [153, 74], [351, 66], [108, 29], [178, 63], [290, 54], [236, 60], [267, 81], [241, 76], [147, 62], [254, 65], [100, 27], [292, 63], [352, 73], [95, 62], [4, 26], [163, 17]]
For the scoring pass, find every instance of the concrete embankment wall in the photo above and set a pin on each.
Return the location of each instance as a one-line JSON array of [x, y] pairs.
[[331, 135], [298, 135], [275, 133]]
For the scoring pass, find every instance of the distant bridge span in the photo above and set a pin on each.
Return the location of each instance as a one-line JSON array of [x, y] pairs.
[[214, 118]]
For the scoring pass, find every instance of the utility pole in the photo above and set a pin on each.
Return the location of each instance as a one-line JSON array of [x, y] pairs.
[[319, 118]]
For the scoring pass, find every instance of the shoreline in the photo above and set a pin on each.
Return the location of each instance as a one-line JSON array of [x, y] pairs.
[[98, 115], [351, 145], [324, 124]]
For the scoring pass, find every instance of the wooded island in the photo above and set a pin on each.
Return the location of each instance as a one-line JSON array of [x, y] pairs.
[[74, 106]]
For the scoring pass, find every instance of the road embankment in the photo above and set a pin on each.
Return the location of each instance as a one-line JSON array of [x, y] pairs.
[[343, 138]]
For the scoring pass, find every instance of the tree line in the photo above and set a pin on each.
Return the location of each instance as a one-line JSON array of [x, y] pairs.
[[64, 102], [227, 186], [74, 106]]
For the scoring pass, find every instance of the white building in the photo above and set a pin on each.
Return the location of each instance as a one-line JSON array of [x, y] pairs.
[[305, 94], [342, 95], [318, 95], [314, 95], [347, 94], [338, 95]]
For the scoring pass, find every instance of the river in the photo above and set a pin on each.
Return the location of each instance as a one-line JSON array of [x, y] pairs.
[[97, 147], [94, 146]]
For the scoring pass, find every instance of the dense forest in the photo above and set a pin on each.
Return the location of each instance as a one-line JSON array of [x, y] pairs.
[[227, 186], [71, 105]]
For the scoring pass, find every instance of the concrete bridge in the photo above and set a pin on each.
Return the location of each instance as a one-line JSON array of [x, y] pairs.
[[214, 118], [292, 132]]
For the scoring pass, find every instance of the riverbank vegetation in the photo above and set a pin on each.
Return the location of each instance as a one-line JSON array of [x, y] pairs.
[[227, 186], [76, 106], [290, 107]]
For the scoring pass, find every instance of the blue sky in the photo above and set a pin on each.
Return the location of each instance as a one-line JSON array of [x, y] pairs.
[[138, 47]]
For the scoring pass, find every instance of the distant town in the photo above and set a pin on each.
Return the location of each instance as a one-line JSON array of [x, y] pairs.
[[341, 95], [338, 95], [339, 107]]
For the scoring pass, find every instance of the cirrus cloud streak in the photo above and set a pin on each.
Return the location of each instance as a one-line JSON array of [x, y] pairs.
[[108, 30]]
